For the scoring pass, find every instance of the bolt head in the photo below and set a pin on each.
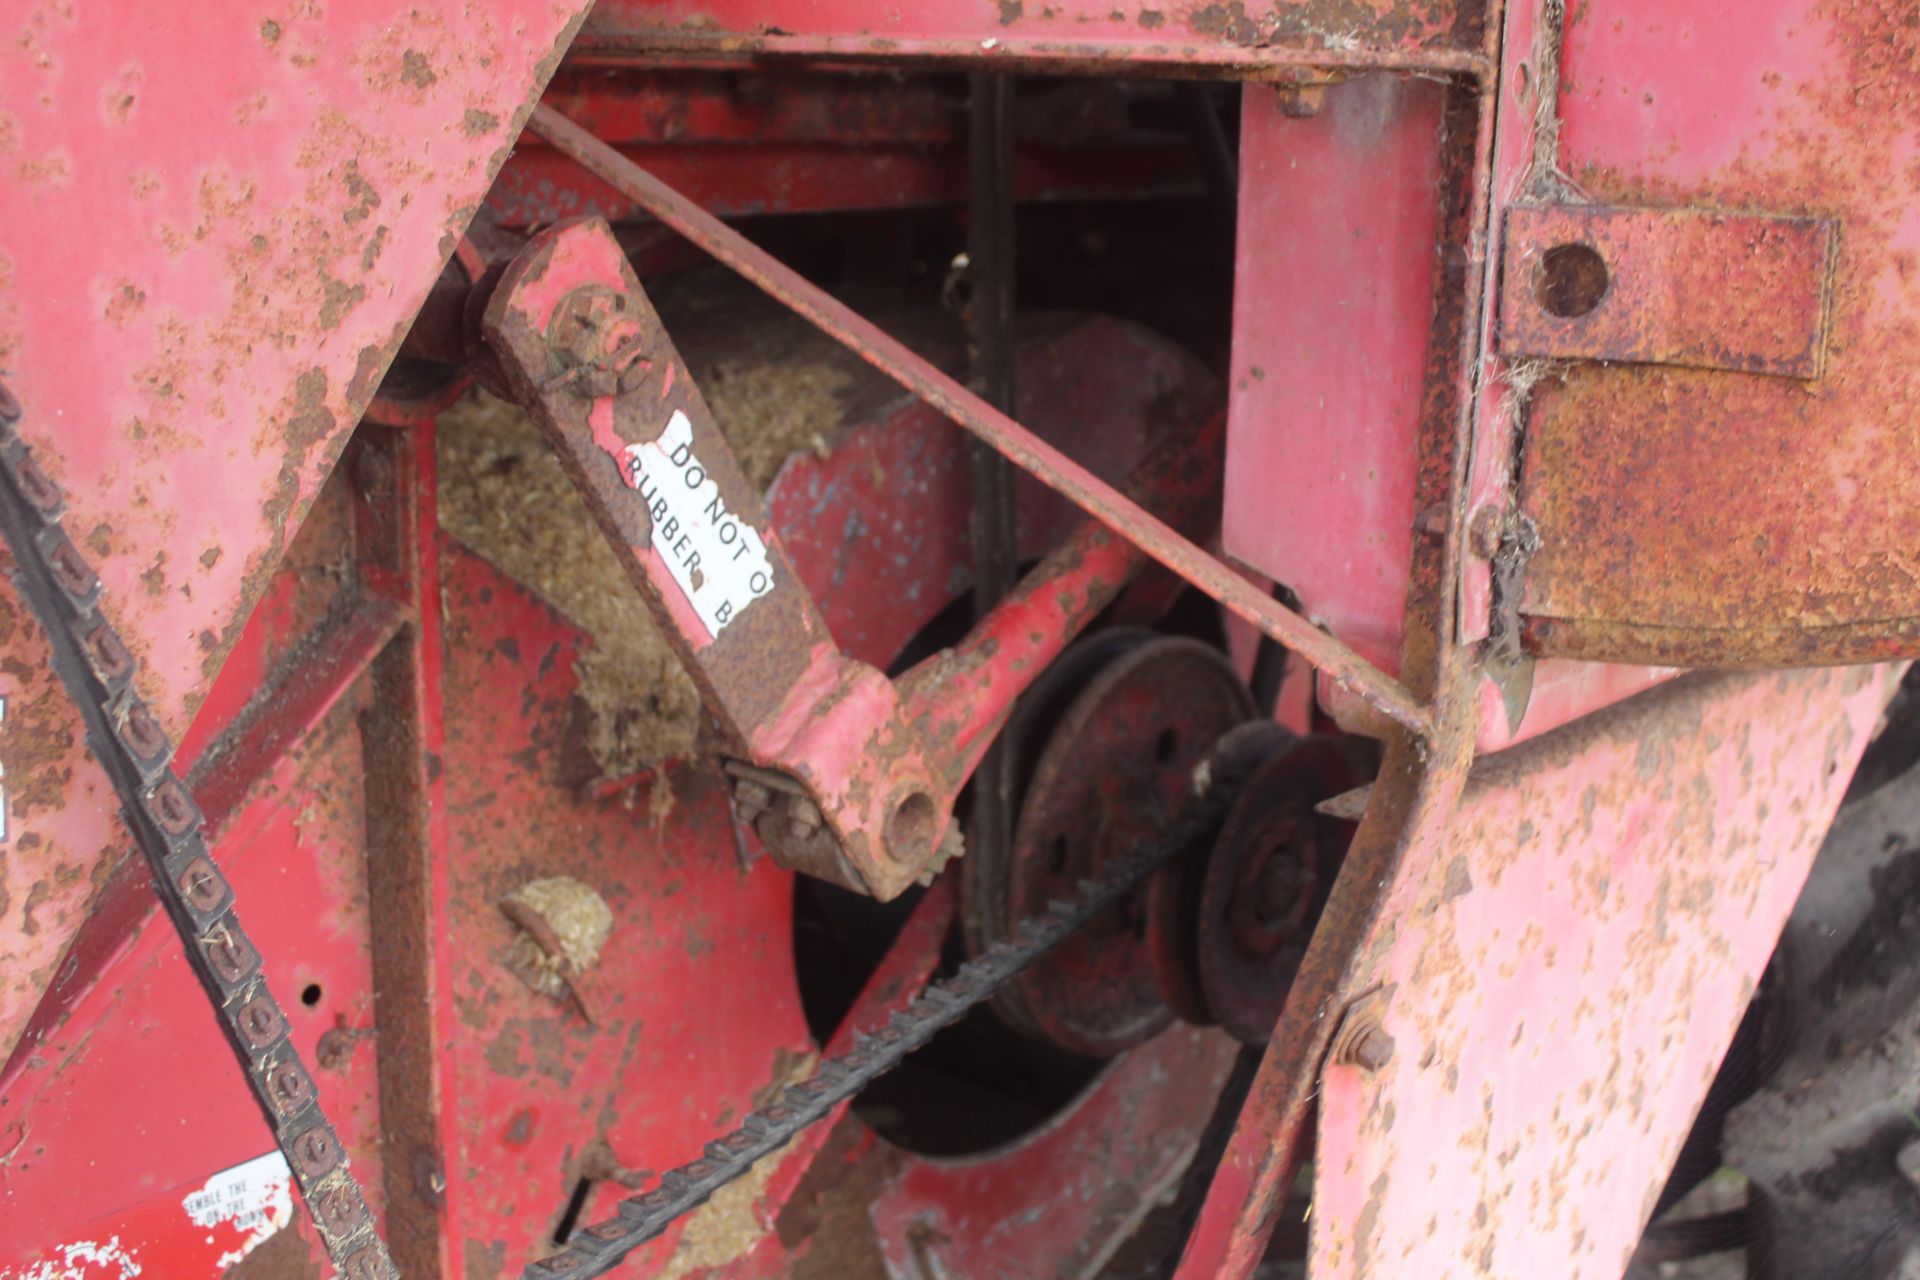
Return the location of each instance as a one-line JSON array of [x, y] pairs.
[[1370, 1048], [751, 798], [803, 819]]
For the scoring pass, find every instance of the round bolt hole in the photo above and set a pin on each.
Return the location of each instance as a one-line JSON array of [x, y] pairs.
[[1570, 280], [910, 829], [310, 995], [1165, 745]]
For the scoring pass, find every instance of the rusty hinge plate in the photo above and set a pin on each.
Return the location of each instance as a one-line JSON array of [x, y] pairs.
[[1739, 292]]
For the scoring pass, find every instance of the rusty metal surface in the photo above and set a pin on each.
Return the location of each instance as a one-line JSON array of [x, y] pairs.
[[1561, 968], [1027, 451], [960, 697], [1804, 553], [878, 528], [511, 813], [1334, 283], [212, 236], [1268, 882], [277, 777], [1117, 762], [1738, 292], [1186, 37], [162, 820], [405, 802]]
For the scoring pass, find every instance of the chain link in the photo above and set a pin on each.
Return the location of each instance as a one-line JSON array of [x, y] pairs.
[[99, 672]]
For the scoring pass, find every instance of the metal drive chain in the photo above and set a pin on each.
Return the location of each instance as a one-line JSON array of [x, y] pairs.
[[598, 1249], [98, 670]]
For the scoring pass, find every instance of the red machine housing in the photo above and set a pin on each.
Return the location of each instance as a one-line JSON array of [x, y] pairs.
[[1567, 366]]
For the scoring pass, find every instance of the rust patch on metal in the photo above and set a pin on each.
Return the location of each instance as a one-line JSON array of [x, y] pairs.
[[1737, 292], [414, 69], [1690, 517]]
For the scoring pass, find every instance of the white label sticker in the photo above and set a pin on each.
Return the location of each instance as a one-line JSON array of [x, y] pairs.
[[255, 1197], [718, 559]]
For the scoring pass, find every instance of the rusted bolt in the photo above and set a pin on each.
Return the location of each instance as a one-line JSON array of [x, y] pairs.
[[260, 1022], [1484, 531], [593, 341], [70, 569], [288, 1086], [315, 1153], [1301, 101], [171, 807], [142, 734], [751, 798], [200, 884], [803, 818], [111, 661], [1367, 1046], [335, 1049]]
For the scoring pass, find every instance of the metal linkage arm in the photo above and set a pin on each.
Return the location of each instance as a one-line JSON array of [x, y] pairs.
[[1026, 450], [845, 775]]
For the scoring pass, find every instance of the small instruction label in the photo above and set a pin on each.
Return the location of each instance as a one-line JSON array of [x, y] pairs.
[[718, 559], [254, 1198]]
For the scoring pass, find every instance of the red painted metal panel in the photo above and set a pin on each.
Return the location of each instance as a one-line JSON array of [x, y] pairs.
[[1560, 969], [213, 235], [1786, 107], [529, 1083], [1333, 301], [1058, 1201], [135, 1100]]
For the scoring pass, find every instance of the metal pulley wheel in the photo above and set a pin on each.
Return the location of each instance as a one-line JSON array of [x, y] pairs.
[[1114, 766], [1267, 882]]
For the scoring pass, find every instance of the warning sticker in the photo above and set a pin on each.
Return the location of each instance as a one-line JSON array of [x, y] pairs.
[[255, 1199], [718, 559]]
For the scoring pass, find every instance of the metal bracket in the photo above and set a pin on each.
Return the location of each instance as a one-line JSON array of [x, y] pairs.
[[1744, 293]]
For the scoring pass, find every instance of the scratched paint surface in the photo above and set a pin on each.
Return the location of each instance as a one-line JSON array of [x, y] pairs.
[[1562, 967], [213, 234]]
